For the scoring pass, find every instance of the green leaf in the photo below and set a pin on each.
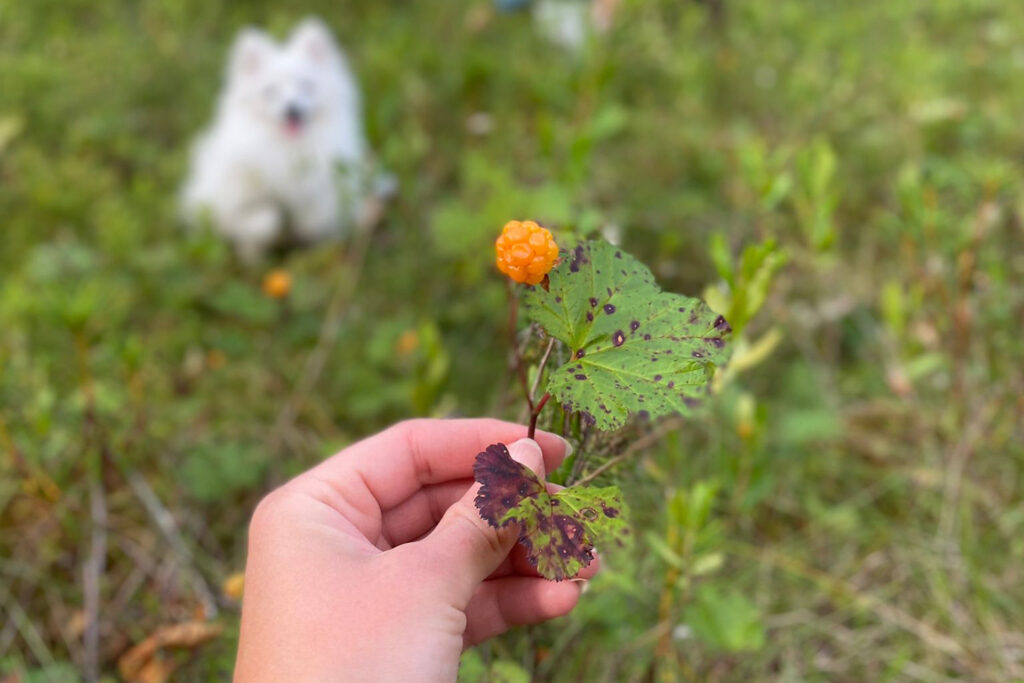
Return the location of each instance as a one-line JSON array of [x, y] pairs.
[[215, 471], [725, 620], [635, 349], [559, 531]]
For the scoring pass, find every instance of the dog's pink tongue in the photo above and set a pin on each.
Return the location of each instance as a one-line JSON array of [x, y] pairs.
[[292, 128]]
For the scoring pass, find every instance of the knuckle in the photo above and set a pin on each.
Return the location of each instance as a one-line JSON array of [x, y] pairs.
[[270, 513], [408, 431], [408, 428]]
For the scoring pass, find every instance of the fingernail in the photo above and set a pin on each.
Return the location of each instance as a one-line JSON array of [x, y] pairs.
[[568, 446], [584, 585], [514, 449]]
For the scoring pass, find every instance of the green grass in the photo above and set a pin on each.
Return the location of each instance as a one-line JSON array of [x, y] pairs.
[[850, 510]]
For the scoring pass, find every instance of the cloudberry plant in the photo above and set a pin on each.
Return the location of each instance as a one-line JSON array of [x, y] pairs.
[[625, 352], [525, 251]]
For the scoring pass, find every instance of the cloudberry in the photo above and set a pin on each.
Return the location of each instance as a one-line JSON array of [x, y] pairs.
[[277, 283], [525, 251]]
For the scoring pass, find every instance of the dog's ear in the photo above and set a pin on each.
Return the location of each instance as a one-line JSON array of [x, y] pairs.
[[313, 39], [250, 52]]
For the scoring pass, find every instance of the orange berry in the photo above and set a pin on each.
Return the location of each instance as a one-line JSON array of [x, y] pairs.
[[525, 251], [407, 343], [233, 586], [277, 283]]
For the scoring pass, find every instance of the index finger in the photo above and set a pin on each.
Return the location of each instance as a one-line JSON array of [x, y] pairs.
[[399, 461]]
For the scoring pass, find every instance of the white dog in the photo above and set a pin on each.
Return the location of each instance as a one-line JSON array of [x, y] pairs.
[[287, 146]]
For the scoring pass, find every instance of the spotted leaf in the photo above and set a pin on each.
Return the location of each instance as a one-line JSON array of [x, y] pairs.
[[634, 348], [559, 530]]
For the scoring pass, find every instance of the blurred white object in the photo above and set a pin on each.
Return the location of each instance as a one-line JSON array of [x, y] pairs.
[[682, 632], [480, 123], [286, 147], [569, 22], [613, 233]]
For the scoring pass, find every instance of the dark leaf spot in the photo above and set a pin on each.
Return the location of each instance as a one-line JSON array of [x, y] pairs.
[[593, 302], [635, 325], [579, 354], [577, 259], [609, 309], [618, 338], [580, 376], [722, 325], [611, 512], [697, 354]]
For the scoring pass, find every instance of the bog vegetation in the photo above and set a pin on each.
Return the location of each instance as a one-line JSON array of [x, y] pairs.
[[841, 181]]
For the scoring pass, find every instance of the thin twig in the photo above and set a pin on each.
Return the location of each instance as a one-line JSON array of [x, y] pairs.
[[586, 431], [540, 369], [169, 528], [516, 361], [25, 626], [638, 445], [96, 563], [976, 428], [842, 589], [93, 570]]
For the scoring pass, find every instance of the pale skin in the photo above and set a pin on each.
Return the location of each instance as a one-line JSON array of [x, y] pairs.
[[376, 566]]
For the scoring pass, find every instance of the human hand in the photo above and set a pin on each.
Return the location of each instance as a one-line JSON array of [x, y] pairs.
[[376, 566]]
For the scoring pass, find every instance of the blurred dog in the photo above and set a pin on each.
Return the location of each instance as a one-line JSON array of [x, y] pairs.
[[286, 155]]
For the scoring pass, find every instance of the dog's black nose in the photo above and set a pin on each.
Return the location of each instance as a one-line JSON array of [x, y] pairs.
[[294, 114]]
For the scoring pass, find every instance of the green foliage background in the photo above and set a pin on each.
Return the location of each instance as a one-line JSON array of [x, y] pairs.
[[851, 509]]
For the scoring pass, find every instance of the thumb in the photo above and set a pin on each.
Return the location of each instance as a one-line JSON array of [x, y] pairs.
[[465, 546]]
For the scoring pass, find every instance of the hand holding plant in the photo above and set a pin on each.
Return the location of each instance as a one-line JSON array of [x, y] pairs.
[[375, 565]]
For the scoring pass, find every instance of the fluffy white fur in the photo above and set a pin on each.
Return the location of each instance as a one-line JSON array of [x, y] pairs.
[[286, 149]]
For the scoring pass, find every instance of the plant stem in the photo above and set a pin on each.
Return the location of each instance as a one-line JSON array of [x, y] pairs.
[[540, 369], [535, 413], [638, 445], [517, 350]]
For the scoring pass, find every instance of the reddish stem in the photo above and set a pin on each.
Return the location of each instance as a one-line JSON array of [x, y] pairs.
[[535, 413]]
